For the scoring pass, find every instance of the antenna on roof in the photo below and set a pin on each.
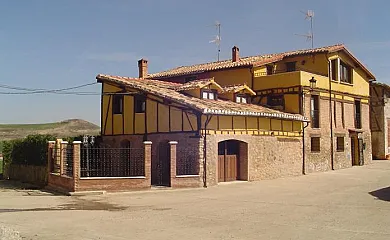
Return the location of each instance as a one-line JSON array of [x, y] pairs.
[[217, 39], [309, 15]]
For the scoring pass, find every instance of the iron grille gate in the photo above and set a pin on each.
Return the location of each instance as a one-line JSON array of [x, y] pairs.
[[111, 162], [161, 166]]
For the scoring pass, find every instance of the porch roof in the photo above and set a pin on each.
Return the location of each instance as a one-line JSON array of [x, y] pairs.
[[169, 91]]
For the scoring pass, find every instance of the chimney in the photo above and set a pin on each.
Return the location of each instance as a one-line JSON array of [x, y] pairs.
[[142, 68], [235, 54]]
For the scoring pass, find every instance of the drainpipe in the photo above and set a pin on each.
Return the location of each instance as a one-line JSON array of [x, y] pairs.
[[330, 111], [205, 151], [303, 149]]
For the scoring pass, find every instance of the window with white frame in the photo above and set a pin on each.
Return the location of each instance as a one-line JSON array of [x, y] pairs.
[[209, 94], [241, 98]]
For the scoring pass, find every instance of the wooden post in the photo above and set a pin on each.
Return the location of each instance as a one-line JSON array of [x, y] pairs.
[[172, 155], [76, 164], [148, 161]]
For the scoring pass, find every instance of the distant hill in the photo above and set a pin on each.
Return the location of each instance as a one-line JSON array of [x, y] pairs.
[[67, 128]]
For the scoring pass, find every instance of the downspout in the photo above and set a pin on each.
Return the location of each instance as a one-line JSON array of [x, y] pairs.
[[330, 111], [303, 149], [205, 151]]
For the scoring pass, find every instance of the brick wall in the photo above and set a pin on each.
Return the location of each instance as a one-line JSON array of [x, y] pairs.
[[321, 161]]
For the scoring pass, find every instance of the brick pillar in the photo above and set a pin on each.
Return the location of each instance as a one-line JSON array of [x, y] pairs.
[[76, 164], [50, 146], [148, 161], [172, 154], [64, 145]]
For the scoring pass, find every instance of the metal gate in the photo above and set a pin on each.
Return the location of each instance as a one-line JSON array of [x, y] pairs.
[[161, 165], [361, 155]]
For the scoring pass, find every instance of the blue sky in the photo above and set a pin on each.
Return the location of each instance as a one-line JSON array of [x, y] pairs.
[[56, 44]]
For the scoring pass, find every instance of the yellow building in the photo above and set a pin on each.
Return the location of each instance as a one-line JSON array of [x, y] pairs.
[[338, 105], [220, 135]]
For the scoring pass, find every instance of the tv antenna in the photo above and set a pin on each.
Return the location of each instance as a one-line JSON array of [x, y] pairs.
[[217, 39], [309, 15]]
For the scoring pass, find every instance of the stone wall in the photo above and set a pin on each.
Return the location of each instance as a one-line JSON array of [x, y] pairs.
[[268, 156]]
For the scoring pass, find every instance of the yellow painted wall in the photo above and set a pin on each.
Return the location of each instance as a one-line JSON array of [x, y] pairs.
[[297, 126], [276, 124], [265, 124], [163, 118], [193, 92], [233, 76], [287, 126], [252, 123], [225, 122], [177, 116], [151, 110], [291, 103], [239, 122], [280, 80], [190, 121], [129, 110], [312, 63]]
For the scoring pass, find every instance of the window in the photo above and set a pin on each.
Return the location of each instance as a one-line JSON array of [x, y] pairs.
[[358, 117], [139, 104], [270, 69], [290, 66], [190, 78], [340, 144], [275, 100], [315, 144], [242, 98], [314, 111], [345, 73], [208, 94], [334, 69], [342, 114], [117, 104]]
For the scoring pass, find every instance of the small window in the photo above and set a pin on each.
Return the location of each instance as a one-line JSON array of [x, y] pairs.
[[241, 99], [208, 94], [358, 114], [139, 104], [275, 100], [345, 73], [117, 104], [315, 144], [334, 69], [340, 144], [315, 111], [190, 78], [270, 69], [290, 66]]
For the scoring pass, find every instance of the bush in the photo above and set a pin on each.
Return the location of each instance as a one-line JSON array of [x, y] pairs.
[[31, 150]]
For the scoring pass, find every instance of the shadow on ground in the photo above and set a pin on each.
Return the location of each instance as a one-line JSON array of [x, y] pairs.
[[382, 194], [27, 188]]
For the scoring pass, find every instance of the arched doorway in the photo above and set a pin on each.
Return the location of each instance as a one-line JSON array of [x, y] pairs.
[[232, 161]]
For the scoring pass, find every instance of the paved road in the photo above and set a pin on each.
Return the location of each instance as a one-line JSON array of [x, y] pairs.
[[352, 203]]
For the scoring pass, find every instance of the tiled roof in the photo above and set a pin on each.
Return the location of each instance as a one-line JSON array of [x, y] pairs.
[[237, 88], [212, 107], [249, 61], [198, 84]]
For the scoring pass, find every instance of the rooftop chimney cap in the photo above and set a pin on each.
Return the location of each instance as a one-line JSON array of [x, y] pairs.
[[235, 54]]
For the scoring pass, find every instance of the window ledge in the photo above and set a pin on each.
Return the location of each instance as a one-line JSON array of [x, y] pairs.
[[345, 83], [92, 178], [315, 152], [335, 81], [186, 176]]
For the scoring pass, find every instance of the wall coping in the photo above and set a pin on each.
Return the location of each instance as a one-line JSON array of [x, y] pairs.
[[76, 142], [186, 176], [173, 142], [51, 141], [148, 142], [64, 142], [108, 178]]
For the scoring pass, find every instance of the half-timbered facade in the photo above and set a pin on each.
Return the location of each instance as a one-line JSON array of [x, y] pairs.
[[220, 135]]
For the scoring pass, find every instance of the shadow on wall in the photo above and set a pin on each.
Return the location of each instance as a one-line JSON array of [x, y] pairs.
[[382, 194]]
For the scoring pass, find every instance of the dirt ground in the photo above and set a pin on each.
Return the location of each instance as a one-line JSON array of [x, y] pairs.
[[345, 204]]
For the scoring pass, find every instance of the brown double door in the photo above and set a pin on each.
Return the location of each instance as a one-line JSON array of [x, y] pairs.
[[228, 161]]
